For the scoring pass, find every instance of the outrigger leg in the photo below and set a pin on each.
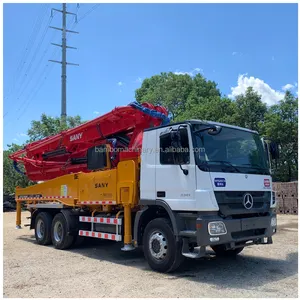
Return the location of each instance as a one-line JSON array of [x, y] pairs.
[[18, 218]]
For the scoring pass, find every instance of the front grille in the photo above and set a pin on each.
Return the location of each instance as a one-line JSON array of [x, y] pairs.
[[231, 202], [237, 194]]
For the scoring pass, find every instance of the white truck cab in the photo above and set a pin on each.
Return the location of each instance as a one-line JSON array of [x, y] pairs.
[[214, 182]]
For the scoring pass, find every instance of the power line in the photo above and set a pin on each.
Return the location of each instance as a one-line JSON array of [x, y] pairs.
[[27, 71], [28, 47], [25, 83], [34, 91], [44, 74], [47, 70], [88, 12]]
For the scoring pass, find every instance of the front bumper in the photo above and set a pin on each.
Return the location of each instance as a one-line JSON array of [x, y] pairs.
[[255, 230]]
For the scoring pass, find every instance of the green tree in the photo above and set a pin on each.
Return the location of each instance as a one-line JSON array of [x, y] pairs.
[[251, 110], [215, 108], [182, 95], [49, 126], [11, 178], [167, 89], [281, 125]]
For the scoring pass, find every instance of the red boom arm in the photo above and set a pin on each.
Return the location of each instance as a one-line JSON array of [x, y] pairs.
[[65, 152]]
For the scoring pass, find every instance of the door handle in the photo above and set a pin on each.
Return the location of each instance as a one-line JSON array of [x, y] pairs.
[[161, 194]]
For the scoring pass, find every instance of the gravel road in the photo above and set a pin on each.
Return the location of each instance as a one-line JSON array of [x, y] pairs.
[[99, 269]]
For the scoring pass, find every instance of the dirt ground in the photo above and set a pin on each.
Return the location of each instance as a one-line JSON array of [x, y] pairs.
[[99, 269]]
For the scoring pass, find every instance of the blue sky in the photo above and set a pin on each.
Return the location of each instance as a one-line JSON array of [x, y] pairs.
[[119, 45]]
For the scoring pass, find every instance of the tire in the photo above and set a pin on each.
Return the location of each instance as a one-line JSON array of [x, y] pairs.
[[161, 250], [220, 250], [42, 228], [59, 233]]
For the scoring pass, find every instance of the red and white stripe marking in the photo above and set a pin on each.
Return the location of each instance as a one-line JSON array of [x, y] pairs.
[[112, 221], [97, 202], [101, 235], [43, 198]]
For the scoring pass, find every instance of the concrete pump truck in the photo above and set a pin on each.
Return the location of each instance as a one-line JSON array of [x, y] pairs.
[[132, 177]]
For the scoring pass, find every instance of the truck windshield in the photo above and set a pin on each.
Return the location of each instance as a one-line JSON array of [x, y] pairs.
[[231, 150]]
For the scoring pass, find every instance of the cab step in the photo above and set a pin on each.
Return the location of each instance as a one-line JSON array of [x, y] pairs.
[[197, 253]]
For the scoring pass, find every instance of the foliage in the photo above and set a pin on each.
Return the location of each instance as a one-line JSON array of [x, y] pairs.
[[281, 125], [251, 110], [49, 126], [11, 178]]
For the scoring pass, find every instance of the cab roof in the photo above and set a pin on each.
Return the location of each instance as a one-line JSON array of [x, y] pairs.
[[202, 122]]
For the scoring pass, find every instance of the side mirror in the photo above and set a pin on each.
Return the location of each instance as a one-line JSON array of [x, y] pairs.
[[216, 129], [274, 150], [176, 146]]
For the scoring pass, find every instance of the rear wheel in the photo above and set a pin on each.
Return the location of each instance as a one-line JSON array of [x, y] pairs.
[[162, 251], [220, 250], [43, 228], [61, 239]]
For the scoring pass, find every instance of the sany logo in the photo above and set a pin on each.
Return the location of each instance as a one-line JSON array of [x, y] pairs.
[[75, 137], [267, 182]]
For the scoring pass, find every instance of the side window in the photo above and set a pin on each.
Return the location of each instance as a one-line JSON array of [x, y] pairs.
[[171, 153]]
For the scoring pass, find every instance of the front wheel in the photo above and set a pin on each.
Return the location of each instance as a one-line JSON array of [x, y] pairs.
[[220, 250], [161, 250]]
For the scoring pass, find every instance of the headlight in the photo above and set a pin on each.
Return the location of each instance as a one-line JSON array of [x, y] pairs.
[[273, 222], [216, 228]]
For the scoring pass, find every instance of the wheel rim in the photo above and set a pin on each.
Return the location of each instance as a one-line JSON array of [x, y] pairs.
[[158, 245], [40, 229], [58, 231]]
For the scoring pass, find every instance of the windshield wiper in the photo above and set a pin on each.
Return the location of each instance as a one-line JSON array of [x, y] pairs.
[[255, 166], [226, 163]]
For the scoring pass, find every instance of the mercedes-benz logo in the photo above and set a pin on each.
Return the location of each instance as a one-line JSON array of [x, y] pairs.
[[248, 201]]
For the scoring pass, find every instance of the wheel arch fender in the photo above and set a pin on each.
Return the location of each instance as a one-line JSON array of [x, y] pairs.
[[35, 212], [148, 213], [72, 220]]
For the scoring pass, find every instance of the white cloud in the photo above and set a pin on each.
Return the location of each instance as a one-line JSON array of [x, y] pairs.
[[96, 112], [288, 87], [268, 95], [120, 83], [234, 53], [139, 80], [15, 140], [22, 134], [191, 73]]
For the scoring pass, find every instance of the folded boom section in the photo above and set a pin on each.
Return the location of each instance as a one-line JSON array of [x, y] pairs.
[[66, 152]]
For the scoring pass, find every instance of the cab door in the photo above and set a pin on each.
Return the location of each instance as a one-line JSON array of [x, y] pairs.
[[175, 180]]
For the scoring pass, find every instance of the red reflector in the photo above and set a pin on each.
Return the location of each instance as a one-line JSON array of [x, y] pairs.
[[267, 182], [198, 226]]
